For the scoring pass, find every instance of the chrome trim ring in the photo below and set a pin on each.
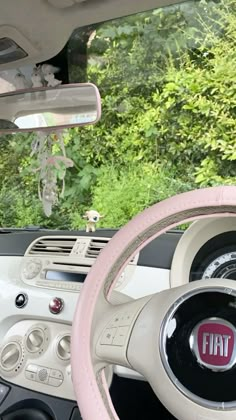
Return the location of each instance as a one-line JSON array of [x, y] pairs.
[[164, 358]]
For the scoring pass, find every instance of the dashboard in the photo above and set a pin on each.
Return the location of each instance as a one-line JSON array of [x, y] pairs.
[[42, 274]]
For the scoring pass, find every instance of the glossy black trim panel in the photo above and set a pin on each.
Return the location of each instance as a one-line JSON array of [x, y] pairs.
[[158, 253]]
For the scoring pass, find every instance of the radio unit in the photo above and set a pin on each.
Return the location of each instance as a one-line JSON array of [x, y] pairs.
[[63, 262], [54, 275]]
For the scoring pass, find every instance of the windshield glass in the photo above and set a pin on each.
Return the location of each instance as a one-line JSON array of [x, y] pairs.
[[168, 85]]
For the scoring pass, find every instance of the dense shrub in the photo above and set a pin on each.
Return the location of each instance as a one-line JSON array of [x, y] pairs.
[[168, 85], [121, 194]]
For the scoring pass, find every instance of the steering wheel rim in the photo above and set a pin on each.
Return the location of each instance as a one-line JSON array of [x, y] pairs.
[[89, 381]]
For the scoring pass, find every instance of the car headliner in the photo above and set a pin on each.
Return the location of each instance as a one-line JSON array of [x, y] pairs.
[[43, 30]]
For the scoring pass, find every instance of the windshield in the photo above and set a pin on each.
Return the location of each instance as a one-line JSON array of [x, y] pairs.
[[168, 85]]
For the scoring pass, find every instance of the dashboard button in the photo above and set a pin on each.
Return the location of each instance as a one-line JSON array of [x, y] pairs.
[[43, 375], [56, 305], [32, 376], [54, 373], [120, 336], [55, 382], [116, 321], [3, 392], [126, 319], [21, 300], [32, 368], [108, 336]]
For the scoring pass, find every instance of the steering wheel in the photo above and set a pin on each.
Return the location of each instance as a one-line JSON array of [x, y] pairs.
[[182, 340]]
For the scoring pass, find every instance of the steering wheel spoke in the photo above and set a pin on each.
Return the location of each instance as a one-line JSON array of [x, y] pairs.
[[114, 331]]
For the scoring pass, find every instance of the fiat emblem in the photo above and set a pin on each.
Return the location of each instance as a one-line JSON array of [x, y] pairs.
[[213, 342]]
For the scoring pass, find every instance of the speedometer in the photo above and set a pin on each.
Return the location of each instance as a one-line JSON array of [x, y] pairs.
[[224, 266]]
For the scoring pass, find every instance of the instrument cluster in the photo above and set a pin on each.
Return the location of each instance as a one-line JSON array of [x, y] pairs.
[[206, 250]]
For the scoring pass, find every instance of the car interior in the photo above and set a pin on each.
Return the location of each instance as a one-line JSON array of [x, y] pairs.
[[113, 321]]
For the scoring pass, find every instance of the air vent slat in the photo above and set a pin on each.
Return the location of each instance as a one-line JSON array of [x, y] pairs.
[[58, 254], [52, 246], [95, 247], [53, 243]]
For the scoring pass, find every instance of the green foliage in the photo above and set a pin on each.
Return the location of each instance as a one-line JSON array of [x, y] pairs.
[[120, 194], [168, 85], [172, 102]]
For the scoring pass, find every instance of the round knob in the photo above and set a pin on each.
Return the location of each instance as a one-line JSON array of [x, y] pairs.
[[10, 355], [63, 347], [35, 340], [32, 268]]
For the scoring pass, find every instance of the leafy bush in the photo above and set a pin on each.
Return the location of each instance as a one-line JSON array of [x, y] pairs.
[[120, 194], [168, 86], [174, 102]]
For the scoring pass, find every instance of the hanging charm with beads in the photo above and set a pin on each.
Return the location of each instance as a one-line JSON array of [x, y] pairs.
[[52, 168]]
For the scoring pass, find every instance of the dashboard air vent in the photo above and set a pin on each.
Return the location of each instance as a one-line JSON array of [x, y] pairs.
[[52, 246], [95, 247]]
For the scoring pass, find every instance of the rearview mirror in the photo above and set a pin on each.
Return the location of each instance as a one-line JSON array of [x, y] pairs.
[[49, 108]]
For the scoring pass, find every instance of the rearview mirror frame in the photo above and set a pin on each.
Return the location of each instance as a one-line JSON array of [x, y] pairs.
[[52, 128]]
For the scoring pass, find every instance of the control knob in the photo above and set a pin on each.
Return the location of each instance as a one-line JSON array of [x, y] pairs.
[[10, 355], [63, 347], [35, 340], [32, 269]]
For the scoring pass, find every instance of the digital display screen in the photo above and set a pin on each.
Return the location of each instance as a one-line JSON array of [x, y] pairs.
[[64, 276]]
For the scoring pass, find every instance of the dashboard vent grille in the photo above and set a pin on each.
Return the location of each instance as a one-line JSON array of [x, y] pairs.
[[53, 246], [95, 247]]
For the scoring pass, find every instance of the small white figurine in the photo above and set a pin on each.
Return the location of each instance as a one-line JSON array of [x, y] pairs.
[[92, 217], [48, 73], [51, 80], [49, 68], [20, 81], [36, 77]]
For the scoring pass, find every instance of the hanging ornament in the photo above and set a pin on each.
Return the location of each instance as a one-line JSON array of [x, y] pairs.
[[52, 168]]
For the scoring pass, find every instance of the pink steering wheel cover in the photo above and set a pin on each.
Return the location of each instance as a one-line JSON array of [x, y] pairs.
[[89, 398]]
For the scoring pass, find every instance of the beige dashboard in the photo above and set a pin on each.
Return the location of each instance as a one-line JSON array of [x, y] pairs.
[[35, 342]]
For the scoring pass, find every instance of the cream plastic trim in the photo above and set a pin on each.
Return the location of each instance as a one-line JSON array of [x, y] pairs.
[[190, 243], [45, 358]]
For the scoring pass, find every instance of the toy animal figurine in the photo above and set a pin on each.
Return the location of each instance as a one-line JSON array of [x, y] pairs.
[[51, 80], [36, 77], [20, 81], [49, 68], [92, 217]]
